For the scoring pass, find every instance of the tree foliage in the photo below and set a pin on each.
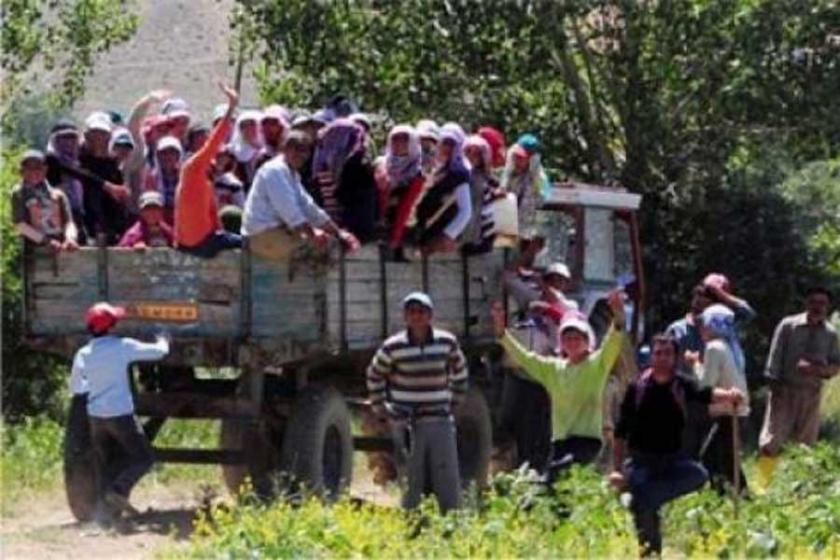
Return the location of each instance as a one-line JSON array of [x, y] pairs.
[[57, 42], [48, 48], [677, 100]]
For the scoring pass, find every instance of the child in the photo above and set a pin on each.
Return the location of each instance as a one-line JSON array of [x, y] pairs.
[[150, 230]]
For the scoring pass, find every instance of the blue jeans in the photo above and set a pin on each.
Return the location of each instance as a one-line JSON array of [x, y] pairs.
[[655, 480], [213, 244]]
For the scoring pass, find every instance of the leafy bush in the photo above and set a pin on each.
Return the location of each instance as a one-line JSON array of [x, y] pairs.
[[799, 517], [31, 458]]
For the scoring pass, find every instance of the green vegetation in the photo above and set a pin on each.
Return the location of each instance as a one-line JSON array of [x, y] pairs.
[[799, 517]]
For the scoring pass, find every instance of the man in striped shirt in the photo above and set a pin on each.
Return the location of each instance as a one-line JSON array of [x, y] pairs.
[[415, 377]]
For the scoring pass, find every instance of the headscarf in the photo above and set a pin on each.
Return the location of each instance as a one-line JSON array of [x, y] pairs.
[[496, 140], [428, 129], [244, 151], [403, 168], [477, 141], [720, 321], [529, 187], [337, 143], [453, 132]]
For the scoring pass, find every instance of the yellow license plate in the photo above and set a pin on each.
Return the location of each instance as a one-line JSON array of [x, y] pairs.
[[175, 312]]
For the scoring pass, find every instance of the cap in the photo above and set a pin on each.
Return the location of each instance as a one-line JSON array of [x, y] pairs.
[[169, 143], [175, 107], [122, 137], [30, 155], [576, 323], [219, 111], [150, 198], [419, 297], [529, 142], [99, 121], [559, 269], [64, 127], [102, 316], [323, 116]]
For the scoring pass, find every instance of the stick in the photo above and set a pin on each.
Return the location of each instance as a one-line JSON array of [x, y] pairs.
[[736, 461]]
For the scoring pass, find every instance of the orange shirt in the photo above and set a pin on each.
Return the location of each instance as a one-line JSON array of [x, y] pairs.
[[196, 214]]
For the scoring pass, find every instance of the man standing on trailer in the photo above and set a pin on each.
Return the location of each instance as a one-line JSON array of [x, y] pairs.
[[415, 377], [102, 366]]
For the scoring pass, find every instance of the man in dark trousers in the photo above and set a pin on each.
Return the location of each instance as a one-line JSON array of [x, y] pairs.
[[101, 367], [649, 430], [416, 376]]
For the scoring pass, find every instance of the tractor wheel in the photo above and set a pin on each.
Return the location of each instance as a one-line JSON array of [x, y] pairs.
[[475, 438], [318, 443], [79, 462], [261, 447]]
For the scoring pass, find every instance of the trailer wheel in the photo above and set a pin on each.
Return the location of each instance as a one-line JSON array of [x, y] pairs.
[[318, 443], [79, 462], [475, 438], [261, 456]]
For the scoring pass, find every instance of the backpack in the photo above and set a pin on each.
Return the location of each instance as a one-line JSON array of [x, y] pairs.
[[645, 380]]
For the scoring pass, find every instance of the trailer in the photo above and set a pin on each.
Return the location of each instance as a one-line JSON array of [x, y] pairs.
[[276, 351]]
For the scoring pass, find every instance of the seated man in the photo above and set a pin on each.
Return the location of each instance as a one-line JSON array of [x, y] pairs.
[[280, 214], [150, 230], [41, 214], [198, 230]]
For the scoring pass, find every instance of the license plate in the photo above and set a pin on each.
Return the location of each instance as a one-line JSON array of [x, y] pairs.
[[174, 312]]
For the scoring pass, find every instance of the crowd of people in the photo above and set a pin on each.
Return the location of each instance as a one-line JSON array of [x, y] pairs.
[[286, 179], [282, 177]]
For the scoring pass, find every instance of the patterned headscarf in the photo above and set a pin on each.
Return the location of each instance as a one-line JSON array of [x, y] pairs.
[[244, 151], [403, 168], [337, 143], [720, 320]]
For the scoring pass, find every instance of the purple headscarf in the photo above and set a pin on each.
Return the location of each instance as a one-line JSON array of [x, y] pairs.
[[339, 141], [454, 133], [403, 168]]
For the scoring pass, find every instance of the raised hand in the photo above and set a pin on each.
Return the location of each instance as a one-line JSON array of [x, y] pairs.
[[615, 299], [231, 94]]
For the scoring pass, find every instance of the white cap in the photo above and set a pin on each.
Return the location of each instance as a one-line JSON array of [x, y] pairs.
[[167, 143], [362, 119], [99, 121], [419, 297], [278, 113], [150, 198], [427, 128], [574, 322], [558, 268], [175, 107]]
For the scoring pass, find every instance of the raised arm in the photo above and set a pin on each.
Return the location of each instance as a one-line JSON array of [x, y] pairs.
[[541, 369], [204, 157]]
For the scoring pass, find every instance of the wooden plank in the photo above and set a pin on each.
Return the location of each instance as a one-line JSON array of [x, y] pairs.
[[79, 266], [63, 290]]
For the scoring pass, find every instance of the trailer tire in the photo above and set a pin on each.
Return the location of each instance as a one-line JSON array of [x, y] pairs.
[[261, 456], [79, 462], [318, 443], [474, 430]]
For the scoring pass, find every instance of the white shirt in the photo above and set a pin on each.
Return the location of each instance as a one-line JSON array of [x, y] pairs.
[[718, 370], [277, 198], [100, 368], [462, 218]]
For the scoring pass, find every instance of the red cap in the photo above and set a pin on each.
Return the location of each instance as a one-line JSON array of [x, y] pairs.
[[102, 316]]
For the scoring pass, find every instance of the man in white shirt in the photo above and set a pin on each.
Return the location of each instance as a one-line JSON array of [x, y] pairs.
[[280, 214], [101, 368]]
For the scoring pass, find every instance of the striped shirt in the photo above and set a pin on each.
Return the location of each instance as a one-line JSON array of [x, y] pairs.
[[424, 378]]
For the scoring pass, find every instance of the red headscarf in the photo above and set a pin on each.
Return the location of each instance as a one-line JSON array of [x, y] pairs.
[[496, 140]]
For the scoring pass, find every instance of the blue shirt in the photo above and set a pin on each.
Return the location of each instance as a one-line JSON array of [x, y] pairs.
[[100, 368], [278, 199]]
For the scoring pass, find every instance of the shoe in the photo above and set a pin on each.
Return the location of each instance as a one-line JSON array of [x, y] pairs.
[[120, 503]]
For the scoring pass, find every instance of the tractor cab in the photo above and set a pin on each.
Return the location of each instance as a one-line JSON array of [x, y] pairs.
[[594, 230]]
